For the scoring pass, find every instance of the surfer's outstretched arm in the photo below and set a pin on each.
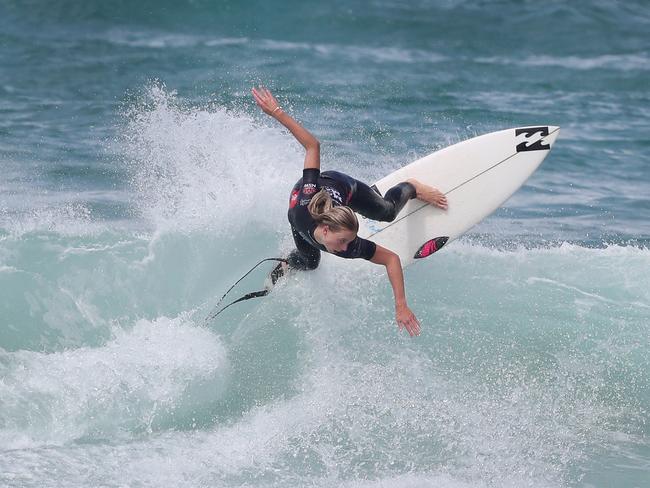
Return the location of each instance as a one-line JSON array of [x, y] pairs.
[[403, 314], [270, 106]]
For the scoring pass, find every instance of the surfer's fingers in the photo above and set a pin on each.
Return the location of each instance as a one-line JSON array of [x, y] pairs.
[[265, 103], [258, 98], [262, 93], [271, 99], [417, 322], [415, 325], [415, 329], [403, 324], [261, 100], [409, 327]]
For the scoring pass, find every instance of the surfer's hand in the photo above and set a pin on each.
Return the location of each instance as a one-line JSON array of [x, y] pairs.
[[266, 101], [406, 318]]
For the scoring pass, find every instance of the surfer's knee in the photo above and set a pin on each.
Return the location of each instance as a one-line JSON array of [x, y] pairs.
[[408, 189], [395, 199]]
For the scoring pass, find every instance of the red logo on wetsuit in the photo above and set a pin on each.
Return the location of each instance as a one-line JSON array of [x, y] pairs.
[[309, 188], [293, 200]]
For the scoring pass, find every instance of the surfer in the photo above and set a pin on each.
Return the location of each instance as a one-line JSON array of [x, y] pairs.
[[322, 218]]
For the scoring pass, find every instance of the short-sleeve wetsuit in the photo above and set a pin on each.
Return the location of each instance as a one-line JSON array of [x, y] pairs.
[[344, 190]]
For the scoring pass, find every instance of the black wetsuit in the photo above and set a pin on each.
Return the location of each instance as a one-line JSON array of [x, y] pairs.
[[344, 190]]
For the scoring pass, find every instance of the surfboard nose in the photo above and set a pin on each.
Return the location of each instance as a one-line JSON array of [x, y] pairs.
[[553, 132]]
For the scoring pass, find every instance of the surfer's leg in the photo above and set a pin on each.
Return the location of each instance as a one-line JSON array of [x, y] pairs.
[[370, 204], [305, 256]]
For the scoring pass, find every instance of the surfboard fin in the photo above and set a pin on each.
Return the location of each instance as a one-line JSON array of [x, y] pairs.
[[431, 246]]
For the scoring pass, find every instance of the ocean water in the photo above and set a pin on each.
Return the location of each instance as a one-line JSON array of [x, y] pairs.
[[139, 181]]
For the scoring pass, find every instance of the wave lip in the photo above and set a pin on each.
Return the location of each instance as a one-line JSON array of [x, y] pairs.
[[154, 376]]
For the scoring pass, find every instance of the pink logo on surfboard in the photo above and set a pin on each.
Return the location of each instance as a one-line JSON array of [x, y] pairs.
[[431, 246]]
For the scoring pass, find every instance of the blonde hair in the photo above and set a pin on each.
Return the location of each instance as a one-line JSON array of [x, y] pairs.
[[323, 211]]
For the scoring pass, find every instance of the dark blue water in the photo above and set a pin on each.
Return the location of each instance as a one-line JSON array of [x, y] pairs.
[[140, 180]]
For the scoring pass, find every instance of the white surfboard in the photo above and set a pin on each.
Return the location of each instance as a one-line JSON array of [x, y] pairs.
[[477, 176]]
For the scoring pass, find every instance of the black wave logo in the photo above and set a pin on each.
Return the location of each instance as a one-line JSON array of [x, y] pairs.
[[529, 132]]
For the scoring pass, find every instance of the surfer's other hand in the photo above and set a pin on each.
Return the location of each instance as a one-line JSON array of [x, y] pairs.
[[266, 100], [406, 319]]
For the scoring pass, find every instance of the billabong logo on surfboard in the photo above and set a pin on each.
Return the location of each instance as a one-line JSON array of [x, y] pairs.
[[528, 133], [431, 246]]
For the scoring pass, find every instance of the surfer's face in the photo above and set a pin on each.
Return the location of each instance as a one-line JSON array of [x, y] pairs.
[[337, 241]]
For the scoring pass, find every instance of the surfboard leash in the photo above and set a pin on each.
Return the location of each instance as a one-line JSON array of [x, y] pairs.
[[255, 294]]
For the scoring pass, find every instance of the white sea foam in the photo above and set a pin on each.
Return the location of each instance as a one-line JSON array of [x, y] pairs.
[[378, 54], [146, 377], [207, 168], [65, 219], [622, 62], [153, 40]]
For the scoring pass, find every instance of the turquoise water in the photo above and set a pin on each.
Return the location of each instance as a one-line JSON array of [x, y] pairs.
[[140, 181]]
